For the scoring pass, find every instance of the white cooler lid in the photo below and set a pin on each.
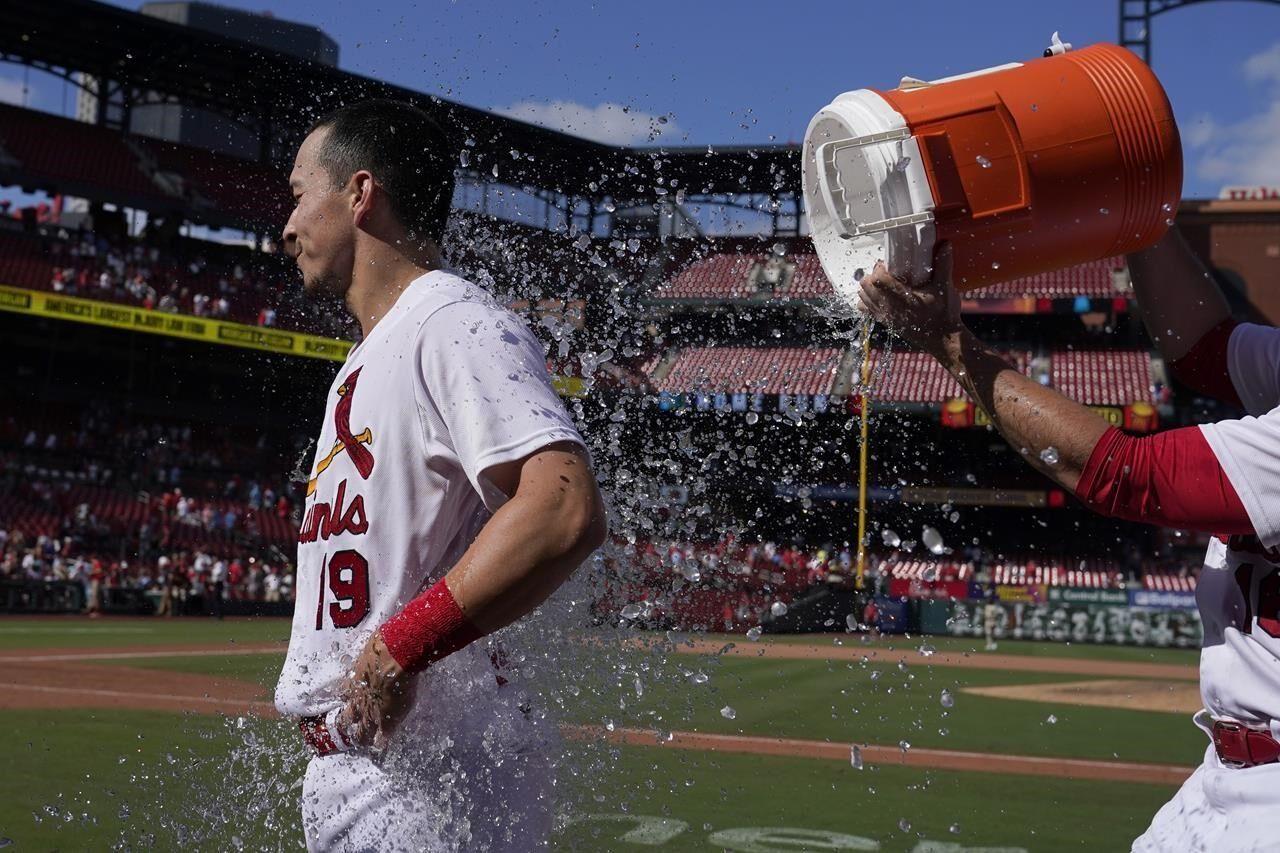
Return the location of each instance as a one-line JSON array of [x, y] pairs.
[[866, 192]]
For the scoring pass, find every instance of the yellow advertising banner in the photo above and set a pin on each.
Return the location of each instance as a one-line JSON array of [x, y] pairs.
[[38, 303], [132, 319]]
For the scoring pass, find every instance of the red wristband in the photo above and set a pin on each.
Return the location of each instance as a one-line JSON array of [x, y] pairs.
[[429, 628]]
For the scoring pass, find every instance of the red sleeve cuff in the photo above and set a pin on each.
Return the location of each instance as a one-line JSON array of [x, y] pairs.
[[429, 628], [1204, 367], [1171, 479]]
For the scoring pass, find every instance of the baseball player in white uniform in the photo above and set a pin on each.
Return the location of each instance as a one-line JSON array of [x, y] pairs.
[[1221, 478], [450, 495]]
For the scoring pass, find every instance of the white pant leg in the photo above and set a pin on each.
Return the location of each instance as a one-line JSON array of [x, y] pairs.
[[1219, 810], [490, 787], [351, 805]]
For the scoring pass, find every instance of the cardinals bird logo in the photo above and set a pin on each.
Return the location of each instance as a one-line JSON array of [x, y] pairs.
[[354, 445]]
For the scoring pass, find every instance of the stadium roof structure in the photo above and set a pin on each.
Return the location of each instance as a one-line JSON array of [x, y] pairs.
[[145, 58]]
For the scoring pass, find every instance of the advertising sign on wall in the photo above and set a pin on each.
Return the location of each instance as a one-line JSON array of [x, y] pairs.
[[1082, 623]]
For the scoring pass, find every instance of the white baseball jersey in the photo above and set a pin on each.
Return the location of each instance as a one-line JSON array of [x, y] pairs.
[[447, 385], [1239, 589], [1221, 808]]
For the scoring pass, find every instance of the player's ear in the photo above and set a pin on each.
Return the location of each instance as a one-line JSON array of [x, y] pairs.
[[362, 188]]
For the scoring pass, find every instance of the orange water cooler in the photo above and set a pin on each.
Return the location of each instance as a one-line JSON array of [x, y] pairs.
[[1024, 168]]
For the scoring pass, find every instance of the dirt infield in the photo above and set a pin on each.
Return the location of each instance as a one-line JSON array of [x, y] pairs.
[[1131, 694], [70, 678], [937, 759], [1018, 663]]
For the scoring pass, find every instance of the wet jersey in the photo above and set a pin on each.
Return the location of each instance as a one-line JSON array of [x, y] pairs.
[[1239, 589], [446, 386]]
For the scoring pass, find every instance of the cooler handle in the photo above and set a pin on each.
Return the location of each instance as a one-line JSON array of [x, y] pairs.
[[833, 194]]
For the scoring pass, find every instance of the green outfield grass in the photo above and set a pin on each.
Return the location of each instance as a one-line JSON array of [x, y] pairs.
[[85, 779], [77, 632], [975, 646], [843, 703]]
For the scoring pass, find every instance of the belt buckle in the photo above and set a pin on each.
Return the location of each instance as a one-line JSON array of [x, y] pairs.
[[1231, 737], [317, 736]]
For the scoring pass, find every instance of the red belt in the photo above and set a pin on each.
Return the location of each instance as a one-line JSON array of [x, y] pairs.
[[317, 736], [1240, 746]]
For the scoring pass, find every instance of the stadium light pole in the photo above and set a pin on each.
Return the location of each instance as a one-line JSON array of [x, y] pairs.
[[1136, 17]]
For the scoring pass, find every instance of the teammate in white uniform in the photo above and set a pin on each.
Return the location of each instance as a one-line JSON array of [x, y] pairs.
[[1221, 478], [450, 495]]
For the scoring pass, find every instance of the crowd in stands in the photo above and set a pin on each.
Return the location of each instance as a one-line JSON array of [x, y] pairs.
[[731, 585], [184, 580], [144, 504], [175, 275], [193, 470], [86, 264]]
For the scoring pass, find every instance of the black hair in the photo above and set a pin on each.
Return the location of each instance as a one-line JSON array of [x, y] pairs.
[[404, 148]]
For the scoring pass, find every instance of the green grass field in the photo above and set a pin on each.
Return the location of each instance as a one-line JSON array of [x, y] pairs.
[[91, 779]]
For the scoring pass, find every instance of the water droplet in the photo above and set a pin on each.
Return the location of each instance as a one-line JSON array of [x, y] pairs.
[[954, 829], [933, 540], [904, 746], [890, 538], [699, 678], [752, 417], [904, 825], [855, 757], [851, 622], [1169, 222], [728, 713], [995, 265], [778, 609], [1052, 719], [631, 611], [1035, 108], [609, 206], [983, 161], [1104, 211], [954, 517], [464, 157], [1049, 455], [948, 701], [690, 572], [494, 170], [1166, 207], [754, 633], [927, 650]]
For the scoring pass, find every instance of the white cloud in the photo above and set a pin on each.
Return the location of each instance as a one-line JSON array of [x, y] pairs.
[[11, 91], [614, 124], [1245, 152], [1199, 132], [1264, 67]]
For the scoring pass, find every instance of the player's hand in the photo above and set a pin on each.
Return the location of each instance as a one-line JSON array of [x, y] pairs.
[[924, 314], [378, 696]]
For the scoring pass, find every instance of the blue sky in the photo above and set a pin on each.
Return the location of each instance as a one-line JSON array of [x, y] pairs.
[[744, 72]]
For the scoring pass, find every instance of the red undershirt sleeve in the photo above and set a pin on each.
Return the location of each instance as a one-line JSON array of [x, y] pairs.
[[1204, 367], [1171, 479]]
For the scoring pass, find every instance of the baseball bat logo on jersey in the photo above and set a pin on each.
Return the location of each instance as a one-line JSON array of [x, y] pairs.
[[353, 445]]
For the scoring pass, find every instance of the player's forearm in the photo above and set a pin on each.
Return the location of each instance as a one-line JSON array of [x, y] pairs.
[[524, 553], [1178, 300], [1031, 417]]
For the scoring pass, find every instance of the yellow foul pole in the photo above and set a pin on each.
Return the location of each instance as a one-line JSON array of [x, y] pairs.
[[864, 413]]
